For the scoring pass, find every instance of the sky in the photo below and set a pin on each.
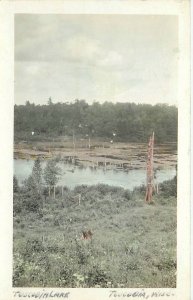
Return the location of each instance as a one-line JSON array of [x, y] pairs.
[[117, 58]]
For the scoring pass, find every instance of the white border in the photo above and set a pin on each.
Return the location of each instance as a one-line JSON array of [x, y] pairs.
[[191, 129]]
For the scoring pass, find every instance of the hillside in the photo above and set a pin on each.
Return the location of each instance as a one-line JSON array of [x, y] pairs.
[[133, 244]]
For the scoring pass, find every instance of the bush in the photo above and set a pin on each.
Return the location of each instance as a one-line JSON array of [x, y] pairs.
[[166, 263], [96, 276], [32, 246], [103, 189], [121, 224], [15, 184], [127, 195], [169, 188], [17, 204], [65, 277], [32, 202], [18, 269], [82, 253]]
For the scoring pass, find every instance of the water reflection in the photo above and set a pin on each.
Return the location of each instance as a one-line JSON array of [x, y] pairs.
[[77, 175]]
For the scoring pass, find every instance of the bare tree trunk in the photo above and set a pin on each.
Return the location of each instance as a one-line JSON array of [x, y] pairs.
[[149, 191]]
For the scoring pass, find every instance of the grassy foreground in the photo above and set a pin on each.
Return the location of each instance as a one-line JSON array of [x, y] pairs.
[[133, 244]]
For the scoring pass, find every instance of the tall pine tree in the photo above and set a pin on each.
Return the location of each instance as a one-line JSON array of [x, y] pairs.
[[37, 175], [51, 174]]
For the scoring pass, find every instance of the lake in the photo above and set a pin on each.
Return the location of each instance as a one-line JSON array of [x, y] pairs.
[[72, 176]]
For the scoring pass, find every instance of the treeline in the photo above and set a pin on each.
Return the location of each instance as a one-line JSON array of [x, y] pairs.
[[127, 122]]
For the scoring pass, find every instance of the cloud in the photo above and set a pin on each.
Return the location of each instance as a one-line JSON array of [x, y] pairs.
[[82, 48], [112, 59], [91, 51], [96, 57], [32, 69], [79, 48]]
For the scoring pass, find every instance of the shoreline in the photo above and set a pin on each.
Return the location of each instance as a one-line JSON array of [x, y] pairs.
[[124, 156]]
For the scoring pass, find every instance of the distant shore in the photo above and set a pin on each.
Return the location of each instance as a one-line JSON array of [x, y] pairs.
[[97, 153]]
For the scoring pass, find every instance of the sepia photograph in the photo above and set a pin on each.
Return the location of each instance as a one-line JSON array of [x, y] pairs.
[[95, 150]]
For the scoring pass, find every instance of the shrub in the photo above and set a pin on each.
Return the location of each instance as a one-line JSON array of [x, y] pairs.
[[15, 184], [119, 245], [82, 253], [65, 277], [96, 276], [169, 188], [18, 269], [166, 263], [127, 195], [17, 204], [32, 202], [32, 246], [103, 189]]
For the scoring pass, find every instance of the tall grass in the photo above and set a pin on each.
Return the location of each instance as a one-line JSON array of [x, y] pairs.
[[133, 244]]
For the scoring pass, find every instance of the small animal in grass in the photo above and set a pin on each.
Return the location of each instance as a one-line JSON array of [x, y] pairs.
[[86, 235]]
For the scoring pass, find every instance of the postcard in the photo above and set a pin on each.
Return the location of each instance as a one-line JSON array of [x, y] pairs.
[[95, 181]]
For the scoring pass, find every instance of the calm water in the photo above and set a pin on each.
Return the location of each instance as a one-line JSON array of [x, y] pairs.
[[88, 176]]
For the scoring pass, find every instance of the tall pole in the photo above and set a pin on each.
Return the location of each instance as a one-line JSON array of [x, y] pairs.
[[89, 143], [73, 140], [150, 175]]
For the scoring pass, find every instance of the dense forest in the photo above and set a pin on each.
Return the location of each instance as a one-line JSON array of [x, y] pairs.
[[128, 122]]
